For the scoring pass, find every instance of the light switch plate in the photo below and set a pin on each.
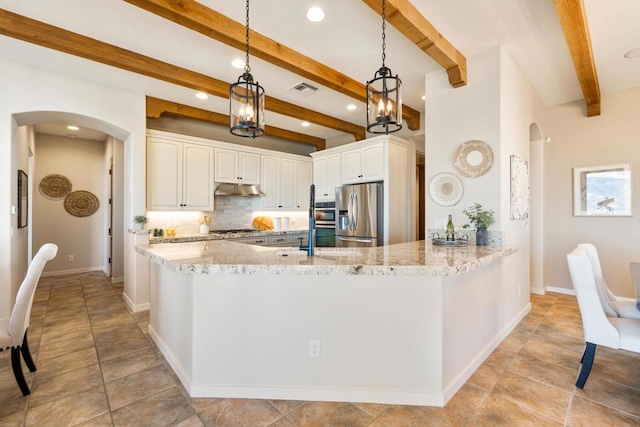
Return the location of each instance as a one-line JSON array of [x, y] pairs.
[[13, 210]]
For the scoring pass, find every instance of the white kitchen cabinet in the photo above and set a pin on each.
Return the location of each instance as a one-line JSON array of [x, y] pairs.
[[285, 183], [326, 176], [237, 167], [179, 176], [303, 184], [364, 164]]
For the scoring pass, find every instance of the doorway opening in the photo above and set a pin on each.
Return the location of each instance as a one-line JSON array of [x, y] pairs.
[[536, 156]]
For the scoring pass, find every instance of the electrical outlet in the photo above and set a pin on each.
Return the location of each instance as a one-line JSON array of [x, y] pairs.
[[314, 348], [71, 258]]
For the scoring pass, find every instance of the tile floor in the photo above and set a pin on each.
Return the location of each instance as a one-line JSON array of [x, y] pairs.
[[98, 367]]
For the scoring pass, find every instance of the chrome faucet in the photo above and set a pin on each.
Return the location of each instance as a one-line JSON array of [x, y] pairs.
[[312, 220]]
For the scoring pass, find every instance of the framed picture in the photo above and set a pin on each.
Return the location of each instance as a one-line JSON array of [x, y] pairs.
[[602, 190], [23, 195], [520, 190]]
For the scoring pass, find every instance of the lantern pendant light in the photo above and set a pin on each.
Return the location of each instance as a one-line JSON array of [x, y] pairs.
[[384, 95], [246, 101]]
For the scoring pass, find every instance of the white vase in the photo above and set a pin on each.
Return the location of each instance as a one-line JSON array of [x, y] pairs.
[[204, 229]]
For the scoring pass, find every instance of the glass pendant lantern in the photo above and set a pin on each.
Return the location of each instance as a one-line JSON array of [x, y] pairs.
[[384, 95], [246, 100]]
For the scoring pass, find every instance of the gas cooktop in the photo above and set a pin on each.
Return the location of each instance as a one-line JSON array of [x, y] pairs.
[[235, 230]]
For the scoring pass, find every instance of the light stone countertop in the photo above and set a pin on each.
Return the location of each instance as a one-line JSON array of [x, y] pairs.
[[412, 258], [219, 236]]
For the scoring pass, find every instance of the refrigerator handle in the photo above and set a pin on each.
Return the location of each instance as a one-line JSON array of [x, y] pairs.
[[351, 211], [356, 211]]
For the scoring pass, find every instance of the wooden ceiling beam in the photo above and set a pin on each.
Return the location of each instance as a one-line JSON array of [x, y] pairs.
[[42, 34], [157, 107], [573, 20], [213, 24], [407, 19]]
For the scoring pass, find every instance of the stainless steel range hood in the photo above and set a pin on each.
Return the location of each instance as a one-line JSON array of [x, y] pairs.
[[238, 190]]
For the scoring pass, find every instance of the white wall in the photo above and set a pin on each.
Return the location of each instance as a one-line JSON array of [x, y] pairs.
[[497, 106], [26, 93], [82, 162], [578, 140]]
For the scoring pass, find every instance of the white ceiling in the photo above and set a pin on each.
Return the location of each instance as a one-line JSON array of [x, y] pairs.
[[349, 40]]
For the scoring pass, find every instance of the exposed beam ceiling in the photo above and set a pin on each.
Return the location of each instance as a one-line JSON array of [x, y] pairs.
[[413, 25], [211, 23], [573, 20], [156, 107], [42, 34]]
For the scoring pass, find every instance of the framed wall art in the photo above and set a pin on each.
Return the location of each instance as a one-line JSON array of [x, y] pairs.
[[602, 190], [23, 197], [520, 188]]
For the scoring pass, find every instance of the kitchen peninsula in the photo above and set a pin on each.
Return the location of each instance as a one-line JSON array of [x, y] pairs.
[[405, 323]]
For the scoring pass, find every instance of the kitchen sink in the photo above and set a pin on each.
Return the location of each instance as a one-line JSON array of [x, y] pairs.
[[319, 252]]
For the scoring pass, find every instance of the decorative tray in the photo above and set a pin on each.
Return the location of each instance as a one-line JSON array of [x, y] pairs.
[[451, 243]]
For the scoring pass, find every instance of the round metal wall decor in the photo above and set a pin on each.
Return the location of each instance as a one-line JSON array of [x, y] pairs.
[[55, 187], [446, 189], [473, 158], [81, 203]]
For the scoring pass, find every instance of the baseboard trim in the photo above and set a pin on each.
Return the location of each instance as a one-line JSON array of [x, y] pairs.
[[131, 306], [537, 291], [72, 271], [561, 290], [117, 280]]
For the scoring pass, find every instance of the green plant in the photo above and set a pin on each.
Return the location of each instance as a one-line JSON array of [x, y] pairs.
[[140, 219], [478, 216]]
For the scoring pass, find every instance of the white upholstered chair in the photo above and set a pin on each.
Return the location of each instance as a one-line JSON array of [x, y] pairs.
[[13, 330], [599, 328], [612, 307]]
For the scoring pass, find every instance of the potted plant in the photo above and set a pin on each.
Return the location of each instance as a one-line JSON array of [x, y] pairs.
[[139, 221], [482, 219]]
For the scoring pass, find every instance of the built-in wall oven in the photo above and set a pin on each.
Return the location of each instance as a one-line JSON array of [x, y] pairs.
[[325, 224]]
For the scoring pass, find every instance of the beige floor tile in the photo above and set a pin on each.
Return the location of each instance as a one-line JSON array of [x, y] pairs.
[[500, 358], [418, 416], [534, 396], [286, 406], [70, 410], [239, 412], [120, 342], [46, 389], [485, 377], [495, 411], [132, 388], [129, 364], [101, 421], [284, 422], [77, 330], [192, 421], [515, 341], [465, 402], [547, 373], [68, 362], [66, 346], [320, 414], [613, 395], [373, 409], [163, 409], [587, 414], [559, 338], [541, 350], [11, 399]]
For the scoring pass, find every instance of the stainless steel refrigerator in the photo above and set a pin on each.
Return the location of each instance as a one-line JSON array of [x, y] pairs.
[[359, 210]]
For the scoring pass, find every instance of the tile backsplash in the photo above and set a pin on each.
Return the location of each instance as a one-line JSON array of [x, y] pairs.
[[229, 212]]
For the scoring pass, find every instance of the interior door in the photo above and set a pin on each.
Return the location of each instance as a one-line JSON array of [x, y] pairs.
[[110, 236]]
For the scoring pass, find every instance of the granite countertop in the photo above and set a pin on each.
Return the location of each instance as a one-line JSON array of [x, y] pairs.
[[219, 236], [412, 258]]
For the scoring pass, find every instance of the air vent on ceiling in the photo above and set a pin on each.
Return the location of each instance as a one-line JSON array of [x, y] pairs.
[[304, 89]]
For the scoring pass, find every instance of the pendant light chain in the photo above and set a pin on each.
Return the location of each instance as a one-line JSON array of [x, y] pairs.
[[384, 27], [247, 68]]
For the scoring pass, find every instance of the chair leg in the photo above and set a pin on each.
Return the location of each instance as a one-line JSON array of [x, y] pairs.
[[26, 354], [17, 371], [587, 362]]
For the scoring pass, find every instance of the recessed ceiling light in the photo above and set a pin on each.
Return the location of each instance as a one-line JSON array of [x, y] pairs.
[[315, 14], [635, 53], [305, 124], [202, 95], [351, 107], [423, 97], [71, 127], [238, 63]]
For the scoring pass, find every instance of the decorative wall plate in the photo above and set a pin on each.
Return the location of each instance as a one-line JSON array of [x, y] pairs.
[[81, 203], [446, 189], [473, 158], [55, 187]]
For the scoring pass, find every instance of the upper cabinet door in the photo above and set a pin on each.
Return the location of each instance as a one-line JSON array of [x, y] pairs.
[[334, 175], [164, 175], [197, 185], [303, 184], [226, 165], [351, 161], [287, 184], [320, 177], [372, 166], [248, 168], [269, 182]]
